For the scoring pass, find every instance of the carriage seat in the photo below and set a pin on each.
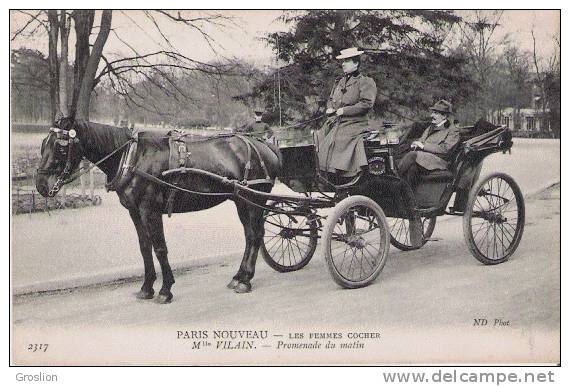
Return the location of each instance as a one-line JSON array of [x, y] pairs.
[[448, 174], [456, 166], [437, 176], [466, 133]]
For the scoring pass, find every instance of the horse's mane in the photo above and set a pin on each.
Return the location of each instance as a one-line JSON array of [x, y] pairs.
[[104, 136]]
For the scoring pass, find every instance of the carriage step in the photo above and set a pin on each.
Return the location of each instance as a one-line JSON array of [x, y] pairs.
[[427, 210]]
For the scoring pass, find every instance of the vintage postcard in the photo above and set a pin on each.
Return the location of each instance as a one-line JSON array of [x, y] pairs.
[[300, 187]]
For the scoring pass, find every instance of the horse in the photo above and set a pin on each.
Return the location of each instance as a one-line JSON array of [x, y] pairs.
[[145, 197]]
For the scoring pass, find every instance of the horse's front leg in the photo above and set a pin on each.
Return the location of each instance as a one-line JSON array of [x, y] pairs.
[[252, 220], [146, 292], [152, 220]]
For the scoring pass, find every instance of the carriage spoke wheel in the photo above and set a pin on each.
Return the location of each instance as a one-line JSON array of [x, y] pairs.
[[493, 221], [400, 231], [290, 240], [356, 241]]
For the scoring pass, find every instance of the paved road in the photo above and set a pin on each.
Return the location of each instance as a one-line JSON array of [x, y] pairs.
[[423, 307]]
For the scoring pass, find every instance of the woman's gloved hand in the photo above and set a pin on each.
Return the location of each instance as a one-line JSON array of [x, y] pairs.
[[417, 145]]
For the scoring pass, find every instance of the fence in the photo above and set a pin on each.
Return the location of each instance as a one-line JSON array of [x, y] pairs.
[[533, 134], [26, 199]]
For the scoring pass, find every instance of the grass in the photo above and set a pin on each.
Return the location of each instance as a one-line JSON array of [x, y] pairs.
[[29, 127]]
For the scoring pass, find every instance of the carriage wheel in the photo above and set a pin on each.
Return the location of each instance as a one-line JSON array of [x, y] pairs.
[[356, 241], [493, 221], [400, 231], [289, 241]]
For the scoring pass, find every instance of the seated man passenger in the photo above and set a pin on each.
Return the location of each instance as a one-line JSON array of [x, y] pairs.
[[433, 149]]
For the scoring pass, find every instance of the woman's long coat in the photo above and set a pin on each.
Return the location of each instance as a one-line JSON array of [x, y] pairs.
[[341, 146]]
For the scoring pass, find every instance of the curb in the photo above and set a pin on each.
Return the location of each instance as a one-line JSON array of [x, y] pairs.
[[550, 184], [112, 276]]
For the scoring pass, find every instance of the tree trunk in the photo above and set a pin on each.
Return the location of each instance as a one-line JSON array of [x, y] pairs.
[[539, 76], [64, 25], [83, 21], [53, 63], [88, 81]]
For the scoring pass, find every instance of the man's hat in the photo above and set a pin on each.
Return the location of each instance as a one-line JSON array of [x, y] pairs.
[[349, 53], [258, 110], [442, 106]]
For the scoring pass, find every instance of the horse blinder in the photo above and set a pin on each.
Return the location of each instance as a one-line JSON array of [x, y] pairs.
[[65, 139]]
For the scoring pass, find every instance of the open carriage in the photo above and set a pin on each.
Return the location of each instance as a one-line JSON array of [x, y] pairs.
[[369, 213], [357, 220]]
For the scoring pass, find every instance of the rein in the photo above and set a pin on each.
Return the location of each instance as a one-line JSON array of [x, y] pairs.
[[80, 172], [302, 123]]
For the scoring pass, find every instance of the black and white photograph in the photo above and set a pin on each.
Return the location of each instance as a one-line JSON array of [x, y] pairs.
[[302, 187]]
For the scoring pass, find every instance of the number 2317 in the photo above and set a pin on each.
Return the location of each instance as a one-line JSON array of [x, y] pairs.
[[35, 347]]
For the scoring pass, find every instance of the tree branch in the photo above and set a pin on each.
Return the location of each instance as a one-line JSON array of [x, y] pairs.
[[30, 21]]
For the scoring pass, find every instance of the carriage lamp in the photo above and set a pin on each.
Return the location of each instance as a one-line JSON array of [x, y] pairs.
[[72, 133], [392, 138]]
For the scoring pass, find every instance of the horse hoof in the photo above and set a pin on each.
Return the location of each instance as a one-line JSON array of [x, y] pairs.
[[233, 284], [242, 288], [145, 295], [164, 299]]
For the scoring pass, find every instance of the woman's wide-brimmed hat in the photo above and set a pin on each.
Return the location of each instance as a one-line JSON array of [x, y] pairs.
[[349, 53]]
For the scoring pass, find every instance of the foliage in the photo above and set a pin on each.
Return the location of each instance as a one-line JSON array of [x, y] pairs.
[[209, 99], [407, 58], [29, 86], [552, 90], [415, 57]]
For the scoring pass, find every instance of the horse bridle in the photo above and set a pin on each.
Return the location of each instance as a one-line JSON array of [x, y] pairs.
[[67, 139]]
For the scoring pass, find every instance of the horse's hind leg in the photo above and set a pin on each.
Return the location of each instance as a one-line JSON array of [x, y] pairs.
[[252, 220], [239, 278], [153, 223], [146, 292]]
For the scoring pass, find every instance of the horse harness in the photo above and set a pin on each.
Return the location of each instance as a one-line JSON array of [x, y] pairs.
[[67, 140], [179, 155], [178, 165]]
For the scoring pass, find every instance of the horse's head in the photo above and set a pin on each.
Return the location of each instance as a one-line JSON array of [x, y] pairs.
[[61, 154]]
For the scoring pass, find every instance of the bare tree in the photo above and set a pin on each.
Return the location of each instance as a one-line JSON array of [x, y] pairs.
[[539, 74], [548, 83], [53, 62], [160, 68], [477, 35], [88, 78], [478, 42], [83, 22], [64, 27]]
